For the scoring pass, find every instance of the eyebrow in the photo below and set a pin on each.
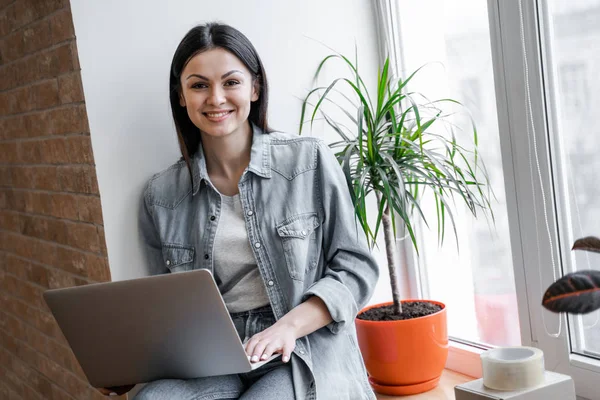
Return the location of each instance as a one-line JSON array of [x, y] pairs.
[[225, 75]]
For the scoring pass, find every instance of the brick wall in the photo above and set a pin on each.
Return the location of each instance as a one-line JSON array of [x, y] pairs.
[[51, 232]]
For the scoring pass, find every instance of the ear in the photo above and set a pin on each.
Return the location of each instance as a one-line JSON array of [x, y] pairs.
[[255, 90], [181, 100]]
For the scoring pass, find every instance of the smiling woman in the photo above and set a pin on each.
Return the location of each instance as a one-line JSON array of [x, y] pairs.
[[270, 215]]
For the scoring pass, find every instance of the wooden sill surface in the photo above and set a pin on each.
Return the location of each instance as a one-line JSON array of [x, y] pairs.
[[444, 391]]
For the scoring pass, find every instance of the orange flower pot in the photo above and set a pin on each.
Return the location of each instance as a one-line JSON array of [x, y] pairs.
[[404, 357]]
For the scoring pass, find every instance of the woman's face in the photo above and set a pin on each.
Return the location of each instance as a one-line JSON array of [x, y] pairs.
[[217, 90]]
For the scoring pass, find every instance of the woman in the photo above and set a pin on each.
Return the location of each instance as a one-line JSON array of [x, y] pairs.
[[271, 216]]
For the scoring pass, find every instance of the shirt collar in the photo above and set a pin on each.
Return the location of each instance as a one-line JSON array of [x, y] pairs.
[[260, 158]]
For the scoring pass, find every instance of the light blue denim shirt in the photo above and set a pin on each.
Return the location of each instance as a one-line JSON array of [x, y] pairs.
[[302, 228]]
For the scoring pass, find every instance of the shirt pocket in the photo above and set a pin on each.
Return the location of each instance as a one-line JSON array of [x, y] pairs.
[[178, 258], [299, 240]]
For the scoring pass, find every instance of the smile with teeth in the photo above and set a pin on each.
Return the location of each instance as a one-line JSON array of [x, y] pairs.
[[218, 114]]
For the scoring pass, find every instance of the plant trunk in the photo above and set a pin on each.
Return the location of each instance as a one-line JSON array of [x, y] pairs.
[[390, 249]]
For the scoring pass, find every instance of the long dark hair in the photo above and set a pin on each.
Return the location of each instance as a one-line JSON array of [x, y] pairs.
[[207, 37]]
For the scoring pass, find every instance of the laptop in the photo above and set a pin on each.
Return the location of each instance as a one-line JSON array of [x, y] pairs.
[[174, 325]]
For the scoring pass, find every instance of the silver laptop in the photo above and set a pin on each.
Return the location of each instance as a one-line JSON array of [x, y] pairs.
[[140, 330]]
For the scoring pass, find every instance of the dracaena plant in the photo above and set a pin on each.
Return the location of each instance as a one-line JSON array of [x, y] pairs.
[[389, 147], [577, 292]]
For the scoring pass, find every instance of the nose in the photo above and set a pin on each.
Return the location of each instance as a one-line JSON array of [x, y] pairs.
[[216, 96]]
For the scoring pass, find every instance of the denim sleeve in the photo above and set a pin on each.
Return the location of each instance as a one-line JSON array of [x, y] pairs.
[[150, 240], [351, 272]]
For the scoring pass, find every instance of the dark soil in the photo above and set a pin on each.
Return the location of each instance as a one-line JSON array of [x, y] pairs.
[[413, 309]]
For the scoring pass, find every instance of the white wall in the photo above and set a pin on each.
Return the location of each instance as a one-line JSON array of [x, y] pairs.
[[125, 49]]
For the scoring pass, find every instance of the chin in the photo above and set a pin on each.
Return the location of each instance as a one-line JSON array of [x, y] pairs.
[[218, 131]]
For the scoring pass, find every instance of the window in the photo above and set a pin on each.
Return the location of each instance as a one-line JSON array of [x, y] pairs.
[[476, 280], [573, 86], [577, 135], [527, 70]]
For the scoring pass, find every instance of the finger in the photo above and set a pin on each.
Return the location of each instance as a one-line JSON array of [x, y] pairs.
[[258, 351], [287, 352], [251, 344], [104, 391], [269, 350]]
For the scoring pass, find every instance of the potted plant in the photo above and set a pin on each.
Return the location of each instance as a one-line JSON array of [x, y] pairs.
[[577, 292], [388, 147]]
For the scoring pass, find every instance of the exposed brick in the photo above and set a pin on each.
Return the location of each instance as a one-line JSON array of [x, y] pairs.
[[3, 199], [76, 179], [83, 236], [90, 209], [35, 386], [44, 95], [9, 221], [96, 268], [54, 151], [30, 294], [70, 88], [63, 356], [9, 153], [25, 270], [44, 228], [59, 279], [73, 386], [8, 392], [94, 179], [38, 203], [36, 37], [61, 121], [44, 65], [79, 149], [22, 177], [20, 201], [30, 152], [14, 128], [11, 380], [31, 248], [41, 226], [14, 200], [32, 394], [61, 26], [63, 206], [46, 178], [102, 240], [7, 19], [13, 47], [75, 56], [72, 260], [5, 176], [27, 11], [5, 3], [5, 104]]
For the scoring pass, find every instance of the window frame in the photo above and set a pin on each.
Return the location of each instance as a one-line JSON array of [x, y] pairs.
[[524, 224]]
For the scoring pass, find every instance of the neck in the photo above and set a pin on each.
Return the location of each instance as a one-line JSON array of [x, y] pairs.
[[228, 156]]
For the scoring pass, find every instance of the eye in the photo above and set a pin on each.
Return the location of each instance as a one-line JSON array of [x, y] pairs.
[[199, 85], [232, 82]]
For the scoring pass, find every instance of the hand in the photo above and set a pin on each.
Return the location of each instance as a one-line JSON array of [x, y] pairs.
[[115, 390], [278, 338]]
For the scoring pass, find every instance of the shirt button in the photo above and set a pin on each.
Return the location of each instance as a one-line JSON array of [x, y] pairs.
[[250, 213], [212, 217], [168, 262], [206, 256], [257, 245], [303, 233], [301, 352], [270, 283]]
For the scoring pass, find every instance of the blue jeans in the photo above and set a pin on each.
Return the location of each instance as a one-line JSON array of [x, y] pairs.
[[272, 381]]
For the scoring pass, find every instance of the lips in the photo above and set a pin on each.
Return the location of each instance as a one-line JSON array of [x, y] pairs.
[[217, 116]]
